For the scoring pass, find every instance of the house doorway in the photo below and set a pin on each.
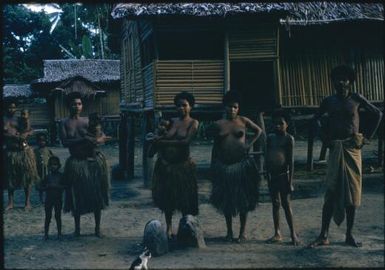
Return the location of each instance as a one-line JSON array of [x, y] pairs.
[[255, 81]]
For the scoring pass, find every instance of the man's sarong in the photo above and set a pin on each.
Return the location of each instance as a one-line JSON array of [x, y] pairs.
[[344, 175]]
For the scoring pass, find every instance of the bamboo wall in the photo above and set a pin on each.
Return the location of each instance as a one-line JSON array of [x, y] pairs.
[[306, 80], [253, 42], [203, 78], [131, 80]]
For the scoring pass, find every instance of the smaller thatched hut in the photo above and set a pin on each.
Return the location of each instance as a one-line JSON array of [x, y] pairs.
[[97, 80]]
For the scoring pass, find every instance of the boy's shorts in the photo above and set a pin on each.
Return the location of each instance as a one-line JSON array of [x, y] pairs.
[[279, 183]]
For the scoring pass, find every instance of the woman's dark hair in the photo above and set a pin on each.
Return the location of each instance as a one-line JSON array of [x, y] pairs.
[[53, 159], [281, 113], [231, 97], [71, 96], [343, 71], [185, 95]]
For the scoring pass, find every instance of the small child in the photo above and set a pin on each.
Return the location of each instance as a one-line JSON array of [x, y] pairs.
[[42, 154], [161, 131], [280, 168], [94, 132], [53, 186]]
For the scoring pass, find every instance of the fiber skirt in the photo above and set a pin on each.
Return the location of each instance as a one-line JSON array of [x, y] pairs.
[[235, 187], [20, 168], [88, 184], [174, 187]]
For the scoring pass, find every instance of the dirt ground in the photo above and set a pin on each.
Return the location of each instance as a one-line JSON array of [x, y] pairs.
[[131, 207]]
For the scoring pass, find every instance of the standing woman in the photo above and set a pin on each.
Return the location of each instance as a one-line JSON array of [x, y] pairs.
[[235, 175], [174, 184], [87, 181], [20, 163]]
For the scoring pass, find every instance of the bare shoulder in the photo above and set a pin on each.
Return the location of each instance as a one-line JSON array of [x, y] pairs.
[[289, 138], [194, 122]]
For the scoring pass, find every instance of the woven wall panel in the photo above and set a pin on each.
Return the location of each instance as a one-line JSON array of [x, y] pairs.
[[204, 79]]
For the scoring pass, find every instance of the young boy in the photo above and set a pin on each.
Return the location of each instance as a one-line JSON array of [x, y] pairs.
[[42, 154], [53, 185], [280, 168]]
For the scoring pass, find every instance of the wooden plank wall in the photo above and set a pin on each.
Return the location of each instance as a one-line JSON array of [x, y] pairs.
[[131, 80], [148, 74], [251, 43], [306, 80], [203, 78]]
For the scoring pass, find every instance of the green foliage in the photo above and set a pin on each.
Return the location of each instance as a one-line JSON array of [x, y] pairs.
[[27, 40], [86, 46]]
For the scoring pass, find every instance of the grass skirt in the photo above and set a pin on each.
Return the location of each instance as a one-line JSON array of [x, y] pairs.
[[88, 183], [235, 187], [174, 187], [20, 168]]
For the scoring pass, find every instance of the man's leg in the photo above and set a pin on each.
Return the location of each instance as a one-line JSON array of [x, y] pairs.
[[289, 218], [229, 226], [327, 214], [98, 216], [350, 215], [77, 223], [27, 192], [168, 217], [10, 199]]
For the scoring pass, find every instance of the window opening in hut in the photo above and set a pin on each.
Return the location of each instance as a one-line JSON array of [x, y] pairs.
[[255, 83]]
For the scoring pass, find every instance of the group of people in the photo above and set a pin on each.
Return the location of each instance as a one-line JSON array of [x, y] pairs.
[[234, 174], [85, 179]]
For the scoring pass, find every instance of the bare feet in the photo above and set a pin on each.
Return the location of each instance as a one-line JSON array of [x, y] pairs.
[[229, 237], [45, 238], [241, 239], [275, 239], [9, 207], [352, 242], [28, 207], [295, 241], [98, 234], [320, 241]]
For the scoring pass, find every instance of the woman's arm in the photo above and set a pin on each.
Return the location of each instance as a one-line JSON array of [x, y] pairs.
[[257, 130], [191, 132]]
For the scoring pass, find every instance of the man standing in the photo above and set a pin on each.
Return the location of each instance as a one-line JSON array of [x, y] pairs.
[[344, 174]]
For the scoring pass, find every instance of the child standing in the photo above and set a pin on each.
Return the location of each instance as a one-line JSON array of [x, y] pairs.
[[280, 168], [42, 154], [53, 185]]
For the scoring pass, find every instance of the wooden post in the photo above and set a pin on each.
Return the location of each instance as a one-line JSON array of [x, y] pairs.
[[310, 143], [130, 146], [148, 162], [322, 155], [123, 142], [380, 152], [226, 63]]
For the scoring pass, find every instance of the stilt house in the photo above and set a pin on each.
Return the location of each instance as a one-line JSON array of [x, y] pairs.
[[272, 53]]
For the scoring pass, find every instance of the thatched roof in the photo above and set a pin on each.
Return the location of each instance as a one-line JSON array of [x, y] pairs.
[[295, 13], [17, 91], [92, 70]]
